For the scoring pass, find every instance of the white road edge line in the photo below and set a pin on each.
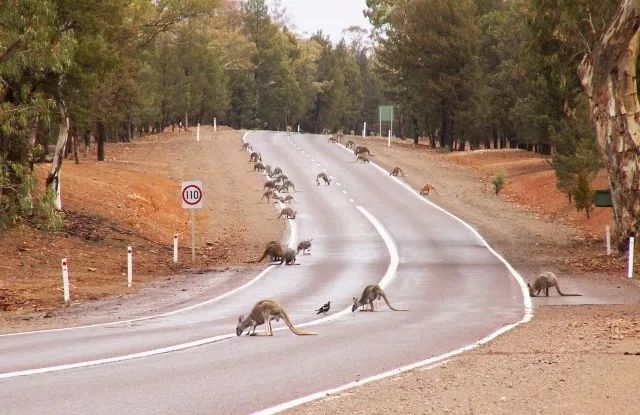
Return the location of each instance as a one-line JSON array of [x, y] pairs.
[[390, 273], [528, 314], [292, 236]]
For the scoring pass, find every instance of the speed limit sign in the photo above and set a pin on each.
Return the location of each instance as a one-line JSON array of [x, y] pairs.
[[191, 195]]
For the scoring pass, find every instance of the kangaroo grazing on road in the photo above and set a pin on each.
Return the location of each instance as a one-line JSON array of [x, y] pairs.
[[545, 281], [305, 246], [288, 257], [324, 177], [277, 171], [282, 178], [362, 150], [396, 171], [258, 166], [274, 250], [427, 188], [363, 159], [288, 199], [254, 157], [269, 194], [270, 184], [288, 213], [245, 146], [369, 295], [350, 144], [262, 313], [287, 185]]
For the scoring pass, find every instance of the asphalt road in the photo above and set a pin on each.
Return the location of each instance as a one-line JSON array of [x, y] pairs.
[[456, 290]]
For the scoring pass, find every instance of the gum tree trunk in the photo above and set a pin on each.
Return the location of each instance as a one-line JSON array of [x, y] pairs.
[[53, 179], [608, 76]]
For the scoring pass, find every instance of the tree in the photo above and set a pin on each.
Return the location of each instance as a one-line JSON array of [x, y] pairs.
[[608, 76]]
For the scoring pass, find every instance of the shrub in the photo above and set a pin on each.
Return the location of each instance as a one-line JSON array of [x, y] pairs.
[[498, 181]]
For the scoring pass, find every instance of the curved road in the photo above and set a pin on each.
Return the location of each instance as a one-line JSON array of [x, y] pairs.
[[365, 226]]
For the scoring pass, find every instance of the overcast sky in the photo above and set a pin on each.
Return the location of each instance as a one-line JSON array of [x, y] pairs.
[[332, 16]]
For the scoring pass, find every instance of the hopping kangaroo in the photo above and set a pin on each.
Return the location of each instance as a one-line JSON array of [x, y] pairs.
[[396, 171], [274, 250], [288, 213], [262, 313], [324, 177], [545, 281], [369, 295], [427, 188]]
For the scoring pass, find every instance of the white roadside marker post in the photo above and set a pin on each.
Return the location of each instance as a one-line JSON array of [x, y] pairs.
[[65, 282], [298, 128], [607, 231], [389, 140], [198, 133], [364, 130], [631, 248], [175, 248], [129, 267], [215, 125]]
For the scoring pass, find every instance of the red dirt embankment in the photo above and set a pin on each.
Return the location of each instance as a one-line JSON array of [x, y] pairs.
[[132, 198]]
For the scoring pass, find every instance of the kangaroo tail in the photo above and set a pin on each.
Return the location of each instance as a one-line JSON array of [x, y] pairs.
[[567, 295], [293, 329], [266, 252], [384, 296]]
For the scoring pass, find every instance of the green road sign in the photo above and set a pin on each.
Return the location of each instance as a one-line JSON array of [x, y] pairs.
[[386, 113], [602, 198]]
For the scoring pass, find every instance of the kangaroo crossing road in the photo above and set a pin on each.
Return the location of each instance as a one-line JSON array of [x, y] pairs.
[[367, 228]]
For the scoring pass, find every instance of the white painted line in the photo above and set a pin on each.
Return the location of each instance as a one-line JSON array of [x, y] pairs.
[[344, 191], [351, 200], [388, 276]]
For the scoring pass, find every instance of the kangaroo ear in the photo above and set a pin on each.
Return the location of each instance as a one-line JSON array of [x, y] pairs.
[[240, 319], [355, 300]]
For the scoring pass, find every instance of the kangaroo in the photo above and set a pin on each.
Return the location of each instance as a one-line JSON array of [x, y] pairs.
[[269, 194], [288, 199], [324, 177], [258, 166], [362, 158], [396, 171], [274, 250], [288, 257], [339, 135], [545, 281], [282, 178], [332, 139], [254, 157], [350, 144], [270, 184], [362, 150], [304, 246], [427, 188], [245, 146], [288, 213], [262, 313], [267, 170], [288, 185], [277, 171], [371, 293]]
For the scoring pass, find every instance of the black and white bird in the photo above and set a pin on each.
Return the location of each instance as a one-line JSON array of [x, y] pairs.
[[324, 309]]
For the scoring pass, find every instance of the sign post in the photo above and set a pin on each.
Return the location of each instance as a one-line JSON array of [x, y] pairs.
[[191, 195], [386, 114]]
